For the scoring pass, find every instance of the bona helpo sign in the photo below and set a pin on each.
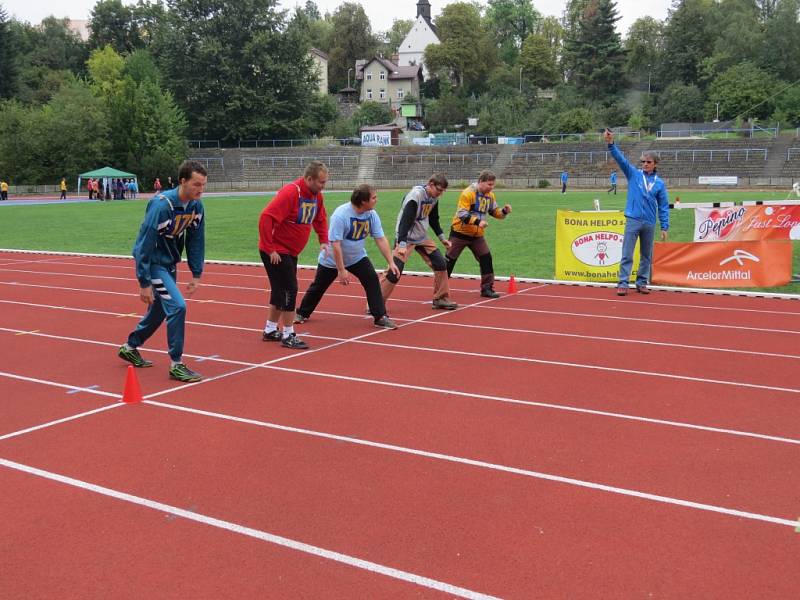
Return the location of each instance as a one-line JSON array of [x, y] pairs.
[[589, 245]]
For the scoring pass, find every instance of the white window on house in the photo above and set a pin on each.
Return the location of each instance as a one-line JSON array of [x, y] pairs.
[[369, 94], [369, 76], [383, 94], [400, 94], [383, 75]]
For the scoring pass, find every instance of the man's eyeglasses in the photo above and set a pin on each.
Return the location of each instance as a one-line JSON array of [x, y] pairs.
[[439, 189]]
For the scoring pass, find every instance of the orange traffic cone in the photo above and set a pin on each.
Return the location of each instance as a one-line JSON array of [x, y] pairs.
[[132, 393], [512, 285]]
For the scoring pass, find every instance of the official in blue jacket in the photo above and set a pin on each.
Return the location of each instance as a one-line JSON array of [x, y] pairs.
[[647, 197], [173, 221]]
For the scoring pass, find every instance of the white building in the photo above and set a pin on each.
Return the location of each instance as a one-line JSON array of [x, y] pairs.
[[321, 67], [421, 35], [386, 82]]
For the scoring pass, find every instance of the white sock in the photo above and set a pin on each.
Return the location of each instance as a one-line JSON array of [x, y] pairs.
[[287, 331], [172, 363], [270, 326], [127, 346]]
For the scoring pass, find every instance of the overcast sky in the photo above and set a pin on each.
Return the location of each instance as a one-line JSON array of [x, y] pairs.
[[381, 13]]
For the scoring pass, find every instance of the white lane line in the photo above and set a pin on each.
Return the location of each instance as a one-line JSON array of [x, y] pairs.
[[88, 290], [88, 390], [442, 391], [307, 352], [59, 421], [638, 319], [672, 305], [489, 466], [271, 538], [564, 407]]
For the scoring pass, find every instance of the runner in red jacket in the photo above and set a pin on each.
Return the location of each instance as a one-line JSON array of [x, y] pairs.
[[284, 228]]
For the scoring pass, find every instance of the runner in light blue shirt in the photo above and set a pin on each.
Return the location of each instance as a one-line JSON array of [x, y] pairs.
[[349, 227]]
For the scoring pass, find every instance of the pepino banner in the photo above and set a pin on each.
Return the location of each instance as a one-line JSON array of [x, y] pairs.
[[589, 245], [734, 223], [723, 264]]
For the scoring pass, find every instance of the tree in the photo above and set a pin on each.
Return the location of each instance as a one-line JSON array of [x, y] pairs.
[[594, 52], [466, 52], [689, 37], [41, 140], [8, 58], [316, 30], [48, 56], [446, 111], [510, 23], [680, 102], [372, 113], [743, 91], [644, 48], [787, 107], [782, 32], [538, 62], [233, 71], [353, 40], [391, 40], [113, 24], [148, 136]]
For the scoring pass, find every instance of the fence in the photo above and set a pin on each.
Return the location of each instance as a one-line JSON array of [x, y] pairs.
[[677, 154], [725, 133], [209, 162], [403, 159], [298, 161], [792, 152]]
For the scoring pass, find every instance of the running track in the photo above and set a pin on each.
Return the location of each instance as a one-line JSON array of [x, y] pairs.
[[555, 443]]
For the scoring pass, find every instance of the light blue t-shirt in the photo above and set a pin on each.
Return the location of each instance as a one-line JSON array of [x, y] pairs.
[[352, 230]]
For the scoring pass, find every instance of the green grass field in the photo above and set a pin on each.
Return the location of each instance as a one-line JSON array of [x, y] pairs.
[[523, 244]]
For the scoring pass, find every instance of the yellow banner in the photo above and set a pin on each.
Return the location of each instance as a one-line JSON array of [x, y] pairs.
[[589, 245]]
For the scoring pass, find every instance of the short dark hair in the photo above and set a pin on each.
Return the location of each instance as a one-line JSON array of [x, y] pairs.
[[188, 167], [439, 180], [361, 194], [314, 168], [487, 175]]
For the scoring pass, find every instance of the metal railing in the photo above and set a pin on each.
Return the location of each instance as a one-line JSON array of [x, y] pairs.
[[726, 133], [208, 162], [436, 158], [792, 152], [298, 161], [677, 154]]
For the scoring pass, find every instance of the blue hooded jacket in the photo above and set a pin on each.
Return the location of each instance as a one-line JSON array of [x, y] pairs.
[[168, 227], [647, 194]]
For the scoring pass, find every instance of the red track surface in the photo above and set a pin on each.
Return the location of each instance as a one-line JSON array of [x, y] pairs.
[[557, 443]]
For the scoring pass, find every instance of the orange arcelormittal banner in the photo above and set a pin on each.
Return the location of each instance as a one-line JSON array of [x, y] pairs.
[[734, 223], [723, 264]]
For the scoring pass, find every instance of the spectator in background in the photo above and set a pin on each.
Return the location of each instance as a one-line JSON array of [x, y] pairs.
[[157, 185], [475, 205], [647, 197], [3, 189], [284, 228], [612, 179], [564, 179], [90, 188], [169, 183], [63, 187]]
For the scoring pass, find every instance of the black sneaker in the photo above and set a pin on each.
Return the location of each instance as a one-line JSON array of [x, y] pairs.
[[132, 356], [489, 293], [385, 322], [181, 372], [444, 304], [294, 342], [299, 319], [272, 336]]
